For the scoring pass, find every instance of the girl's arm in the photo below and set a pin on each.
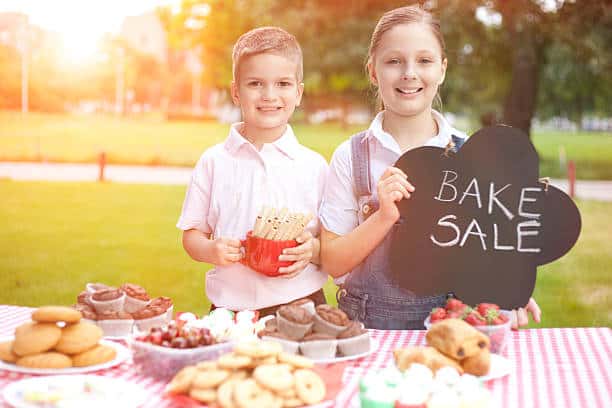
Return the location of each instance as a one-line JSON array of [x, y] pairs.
[[219, 251], [341, 254]]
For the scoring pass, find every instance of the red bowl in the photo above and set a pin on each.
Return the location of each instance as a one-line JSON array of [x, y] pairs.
[[262, 254]]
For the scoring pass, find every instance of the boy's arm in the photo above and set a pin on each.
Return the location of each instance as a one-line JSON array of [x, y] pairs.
[[219, 251]]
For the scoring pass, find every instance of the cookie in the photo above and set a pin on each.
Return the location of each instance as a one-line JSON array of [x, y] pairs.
[[225, 394], [275, 377], [258, 349], [209, 379], [207, 395], [54, 314], [45, 360], [6, 352], [79, 337], [248, 393], [309, 386], [207, 365], [232, 361], [35, 338], [97, 355], [295, 360], [181, 382]]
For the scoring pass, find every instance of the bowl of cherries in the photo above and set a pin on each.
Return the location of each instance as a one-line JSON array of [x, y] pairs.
[[162, 351], [487, 318]]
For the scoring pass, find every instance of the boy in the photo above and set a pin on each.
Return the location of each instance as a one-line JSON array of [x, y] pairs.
[[261, 163]]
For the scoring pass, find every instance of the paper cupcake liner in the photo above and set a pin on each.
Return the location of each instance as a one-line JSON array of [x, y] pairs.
[[117, 328], [310, 307], [170, 313], [115, 305], [319, 349], [132, 305], [354, 345], [145, 325], [323, 326], [294, 331]]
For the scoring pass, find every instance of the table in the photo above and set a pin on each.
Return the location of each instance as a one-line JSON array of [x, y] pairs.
[[569, 367]]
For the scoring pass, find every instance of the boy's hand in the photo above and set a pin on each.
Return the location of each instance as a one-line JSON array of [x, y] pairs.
[[301, 254], [226, 251], [392, 187], [520, 316]]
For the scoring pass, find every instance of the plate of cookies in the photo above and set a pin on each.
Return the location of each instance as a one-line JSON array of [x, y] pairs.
[[322, 333], [58, 341]]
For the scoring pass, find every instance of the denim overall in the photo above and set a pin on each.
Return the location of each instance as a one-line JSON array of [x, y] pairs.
[[368, 294]]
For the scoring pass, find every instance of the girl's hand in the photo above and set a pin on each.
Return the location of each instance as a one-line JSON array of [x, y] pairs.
[[301, 254], [520, 316], [226, 251], [392, 187]]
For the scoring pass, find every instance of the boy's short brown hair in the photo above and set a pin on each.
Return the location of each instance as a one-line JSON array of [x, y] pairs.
[[272, 40]]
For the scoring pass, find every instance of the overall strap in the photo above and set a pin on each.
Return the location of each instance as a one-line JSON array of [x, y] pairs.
[[360, 161], [457, 142]]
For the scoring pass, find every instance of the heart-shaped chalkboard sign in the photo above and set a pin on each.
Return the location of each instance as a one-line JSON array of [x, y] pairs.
[[479, 221]]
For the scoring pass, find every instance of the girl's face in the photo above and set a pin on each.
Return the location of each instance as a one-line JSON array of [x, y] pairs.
[[408, 68]]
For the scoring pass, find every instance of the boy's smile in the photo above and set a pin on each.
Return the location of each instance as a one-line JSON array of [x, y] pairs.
[[267, 91]]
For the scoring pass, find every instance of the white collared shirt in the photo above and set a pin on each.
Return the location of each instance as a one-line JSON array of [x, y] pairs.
[[340, 208], [230, 184]]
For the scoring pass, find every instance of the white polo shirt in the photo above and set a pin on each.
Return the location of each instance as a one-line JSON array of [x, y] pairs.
[[340, 207], [230, 184]]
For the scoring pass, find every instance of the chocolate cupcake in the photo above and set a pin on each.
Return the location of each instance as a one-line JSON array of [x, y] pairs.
[[116, 324], [293, 321], [319, 346], [108, 300], [88, 313], [136, 297], [94, 287], [330, 320], [306, 303], [84, 298], [354, 340], [150, 316], [164, 303]]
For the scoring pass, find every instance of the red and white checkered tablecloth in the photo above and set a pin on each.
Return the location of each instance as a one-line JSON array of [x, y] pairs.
[[550, 367]]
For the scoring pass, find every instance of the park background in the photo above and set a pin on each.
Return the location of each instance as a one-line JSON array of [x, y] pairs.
[[146, 82]]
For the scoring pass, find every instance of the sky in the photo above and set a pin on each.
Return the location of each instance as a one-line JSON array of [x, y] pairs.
[[81, 23]]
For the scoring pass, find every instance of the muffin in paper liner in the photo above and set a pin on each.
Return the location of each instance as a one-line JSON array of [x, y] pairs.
[[93, 287], [133, 305], [354, 345], [116, 327], [305, 303], [323, 326], [115, 305], [150, 322], [319, 349], [294, 331]]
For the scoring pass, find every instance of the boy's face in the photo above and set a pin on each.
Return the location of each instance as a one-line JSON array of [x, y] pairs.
[[267, 90]]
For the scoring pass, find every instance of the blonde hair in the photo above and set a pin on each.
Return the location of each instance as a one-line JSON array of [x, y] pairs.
[[272, 40], [398, 16]]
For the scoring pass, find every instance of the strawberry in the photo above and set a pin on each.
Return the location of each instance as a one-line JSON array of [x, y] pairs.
[[453, 315], [453, 304], [437, 314], [483, 308], [475, 319]]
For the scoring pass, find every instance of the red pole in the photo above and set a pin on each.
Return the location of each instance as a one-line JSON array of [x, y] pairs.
[[101, 164], [571, 177]]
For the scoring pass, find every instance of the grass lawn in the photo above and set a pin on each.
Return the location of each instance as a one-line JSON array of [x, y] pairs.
[[66, 138], [55, 237]]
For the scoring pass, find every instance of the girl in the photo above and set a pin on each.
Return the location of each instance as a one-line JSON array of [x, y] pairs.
[[407, 63]]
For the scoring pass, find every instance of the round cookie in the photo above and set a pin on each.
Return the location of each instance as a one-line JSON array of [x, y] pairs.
[[54, 314], [97, 355], [6, 352], [232, 361], [209, 379], [309, 386], [295, 360], [207, 396], [79, 337], [181, 382], [275, 377], [45, 360], [35, 338], [248, 393], [258, 349]]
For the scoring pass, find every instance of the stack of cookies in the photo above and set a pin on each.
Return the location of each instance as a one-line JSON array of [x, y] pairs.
[[56, 338], [255, 374], [117, 310], [452, 343], [321, 332]]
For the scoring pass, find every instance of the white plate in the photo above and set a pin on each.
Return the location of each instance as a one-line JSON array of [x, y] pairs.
[[123, 353], [500, 367], [373, 347], [89, 391]]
